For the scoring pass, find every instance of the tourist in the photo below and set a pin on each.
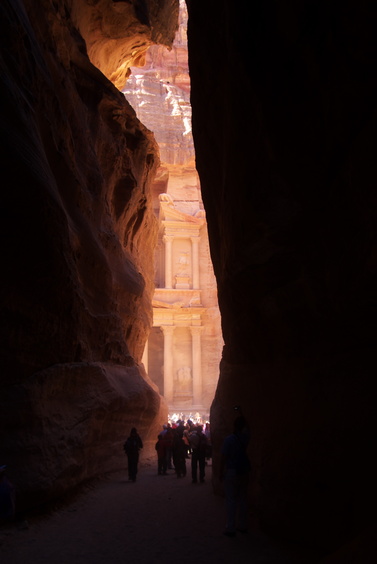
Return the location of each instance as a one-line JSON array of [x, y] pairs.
[[160, 447], [198, 442], [179, 450], [207, 433], [235, 470], [185, 437], [132, 448], [167, 433]]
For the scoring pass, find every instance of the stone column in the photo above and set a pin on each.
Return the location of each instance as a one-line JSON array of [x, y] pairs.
[[195, 263], [197, 387], [168, 331], [168, 240]]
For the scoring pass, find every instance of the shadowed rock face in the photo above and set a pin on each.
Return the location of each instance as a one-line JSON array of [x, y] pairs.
[[77, 234], [285, 134], [284, 127]]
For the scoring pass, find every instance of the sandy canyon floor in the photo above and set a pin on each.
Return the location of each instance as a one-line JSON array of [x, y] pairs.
[[156, 519]]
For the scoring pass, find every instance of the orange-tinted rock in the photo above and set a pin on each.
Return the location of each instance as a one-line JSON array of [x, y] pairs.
[[118, 33], [78, 232]]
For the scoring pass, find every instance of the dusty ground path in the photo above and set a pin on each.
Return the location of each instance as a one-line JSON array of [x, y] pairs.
[[156, 519]]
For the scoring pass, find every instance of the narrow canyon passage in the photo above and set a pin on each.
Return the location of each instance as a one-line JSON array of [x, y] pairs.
[[142, 278], [184, 347], [155, 519]]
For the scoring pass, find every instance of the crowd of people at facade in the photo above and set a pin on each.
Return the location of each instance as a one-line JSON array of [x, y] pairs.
[[179, 442]]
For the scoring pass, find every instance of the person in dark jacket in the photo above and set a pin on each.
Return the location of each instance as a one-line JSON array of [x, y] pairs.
[[132, 448], [198, 442], [235, 469], [160, 447], [179, 451]]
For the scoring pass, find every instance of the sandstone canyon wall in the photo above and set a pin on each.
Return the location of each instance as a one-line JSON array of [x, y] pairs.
[[284, 123], [285, 135], [77, 232]]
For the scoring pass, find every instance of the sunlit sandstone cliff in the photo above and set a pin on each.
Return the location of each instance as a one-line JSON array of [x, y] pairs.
[[160, 93], [77, 241]]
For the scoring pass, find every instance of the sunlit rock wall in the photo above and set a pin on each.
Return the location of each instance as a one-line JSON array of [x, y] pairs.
[[284, 123], [160, 94], [77, 233]]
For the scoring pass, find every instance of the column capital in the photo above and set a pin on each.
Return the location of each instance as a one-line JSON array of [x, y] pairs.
[[167, 329], [196, 329], [168, 238], [195, 238]]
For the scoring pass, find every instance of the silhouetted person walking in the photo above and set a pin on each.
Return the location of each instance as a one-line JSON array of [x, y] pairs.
[[132, 447], [235, 471], [198, 442], [179, 451], [162, 462]]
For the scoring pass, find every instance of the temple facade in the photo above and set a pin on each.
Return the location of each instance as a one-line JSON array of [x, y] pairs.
[[184, 348]]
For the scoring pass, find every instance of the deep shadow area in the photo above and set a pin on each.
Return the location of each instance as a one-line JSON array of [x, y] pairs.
[[283, 102], [156, 519]]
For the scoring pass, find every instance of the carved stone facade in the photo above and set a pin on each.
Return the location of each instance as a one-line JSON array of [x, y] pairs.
[[184, 348]]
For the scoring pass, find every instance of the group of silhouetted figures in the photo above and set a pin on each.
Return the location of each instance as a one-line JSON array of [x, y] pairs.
[[176, 444], [180, 441]]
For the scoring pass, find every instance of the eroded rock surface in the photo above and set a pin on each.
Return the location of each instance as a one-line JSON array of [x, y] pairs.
[[117, 33], [77, 244]]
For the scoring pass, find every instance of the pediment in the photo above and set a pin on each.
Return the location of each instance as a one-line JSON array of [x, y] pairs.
[[169, 212]]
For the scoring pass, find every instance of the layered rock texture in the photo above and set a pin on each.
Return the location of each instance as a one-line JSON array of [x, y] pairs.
[[160, 94], [78, 233], [284, 126]]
